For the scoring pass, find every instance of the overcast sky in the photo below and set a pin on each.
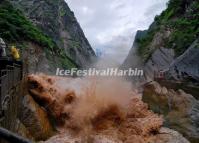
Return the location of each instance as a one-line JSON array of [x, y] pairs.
[[110, 25]]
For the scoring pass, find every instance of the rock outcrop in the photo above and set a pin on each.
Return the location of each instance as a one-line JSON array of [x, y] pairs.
[[56, 20], [180, 109], [169, 43], [170, 136], [133, 60], [160, 61], [35, 120], [185, 67]]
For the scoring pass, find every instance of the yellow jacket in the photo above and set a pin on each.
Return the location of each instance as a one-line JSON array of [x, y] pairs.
[[15, 53]]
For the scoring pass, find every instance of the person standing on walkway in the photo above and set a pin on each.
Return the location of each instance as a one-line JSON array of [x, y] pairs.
[[15, 53], [2, 48]]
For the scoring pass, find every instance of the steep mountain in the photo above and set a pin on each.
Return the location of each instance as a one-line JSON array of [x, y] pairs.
[[133, 59], [47, 34], [55, 19], [169, 36]]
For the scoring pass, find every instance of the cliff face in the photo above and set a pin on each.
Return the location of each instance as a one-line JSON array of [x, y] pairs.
[[55, 19], [133, 59], [169, 36], [186, 66], [47, 34]]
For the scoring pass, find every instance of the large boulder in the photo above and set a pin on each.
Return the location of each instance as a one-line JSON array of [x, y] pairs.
[[35, 119], [180, 109]]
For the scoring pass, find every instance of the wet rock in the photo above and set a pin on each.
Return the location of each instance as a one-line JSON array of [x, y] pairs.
[[68, 138], [133, 59], [180, 109], [167, 135], [35, 119], [35, 60]]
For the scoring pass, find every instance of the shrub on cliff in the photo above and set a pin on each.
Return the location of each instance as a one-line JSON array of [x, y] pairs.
[[181, 18], [15, 27]]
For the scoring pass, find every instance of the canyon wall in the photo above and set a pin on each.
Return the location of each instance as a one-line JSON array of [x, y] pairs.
[[172, 34], [47, 34]]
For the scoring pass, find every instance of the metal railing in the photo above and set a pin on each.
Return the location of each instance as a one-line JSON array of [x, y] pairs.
[[12, 137], [10, 79]]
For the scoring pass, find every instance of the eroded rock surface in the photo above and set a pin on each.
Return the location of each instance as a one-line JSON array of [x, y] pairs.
[[186, 66], [180, 109]]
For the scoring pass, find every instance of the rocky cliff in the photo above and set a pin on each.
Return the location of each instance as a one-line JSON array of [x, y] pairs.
[[55, 19], [47, 33], [133, 59], [186, 66], [169, 36]]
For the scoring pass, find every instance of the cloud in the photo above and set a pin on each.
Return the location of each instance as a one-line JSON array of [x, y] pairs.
[[110, 25]]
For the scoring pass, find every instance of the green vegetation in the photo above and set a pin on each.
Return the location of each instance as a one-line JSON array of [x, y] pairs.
[[182, 19], [62, 12], [16, 28], [143, 43], [74, 44]]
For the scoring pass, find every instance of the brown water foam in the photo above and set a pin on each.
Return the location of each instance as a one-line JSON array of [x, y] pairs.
[[87, 107]]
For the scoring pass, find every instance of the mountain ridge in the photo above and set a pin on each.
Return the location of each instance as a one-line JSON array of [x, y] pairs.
[[171, 34], [49, 27], [56, 20]]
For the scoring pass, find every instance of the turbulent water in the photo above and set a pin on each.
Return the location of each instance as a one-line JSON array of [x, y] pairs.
[[95, 110]]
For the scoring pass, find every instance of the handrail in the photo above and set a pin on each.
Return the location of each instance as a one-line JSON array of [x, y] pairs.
[[12, 137], [10, 78]]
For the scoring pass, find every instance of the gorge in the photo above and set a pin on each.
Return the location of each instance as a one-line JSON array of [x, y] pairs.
[[146, 109]]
